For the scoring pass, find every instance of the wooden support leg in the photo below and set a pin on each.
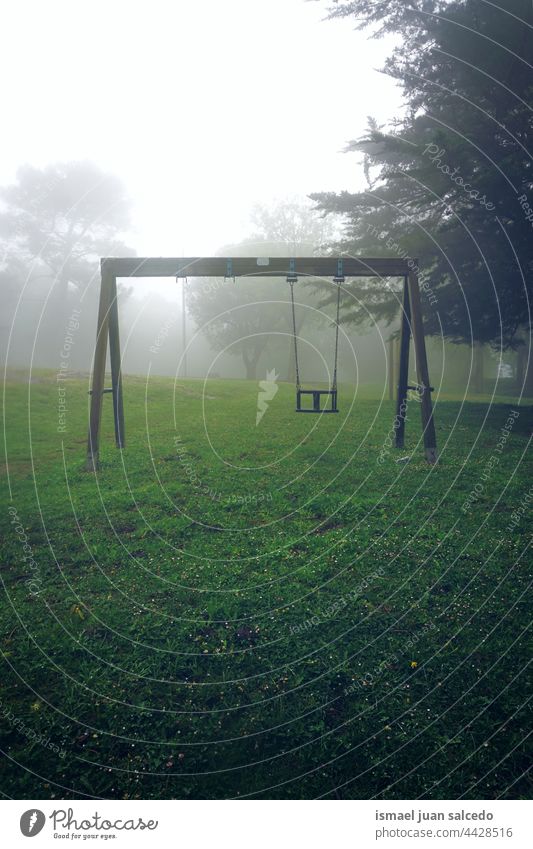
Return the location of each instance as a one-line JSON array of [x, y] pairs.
[[422, 371], [116, 368], [391, 369], [184, 328], [396, 360], [403, 369], [102, 330]]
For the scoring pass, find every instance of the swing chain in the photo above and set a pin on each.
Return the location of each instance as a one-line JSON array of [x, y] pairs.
[[338, 280], [291, 282]]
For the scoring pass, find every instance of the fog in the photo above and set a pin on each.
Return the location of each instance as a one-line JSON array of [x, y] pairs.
[[36, 327], [163, 135]]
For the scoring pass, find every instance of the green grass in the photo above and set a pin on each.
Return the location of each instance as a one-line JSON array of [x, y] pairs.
[[275, 614]]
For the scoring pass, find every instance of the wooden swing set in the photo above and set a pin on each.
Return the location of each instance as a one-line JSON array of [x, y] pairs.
[[291, 268]]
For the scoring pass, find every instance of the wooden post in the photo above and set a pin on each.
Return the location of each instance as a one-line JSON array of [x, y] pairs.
[[184, 329], [422, 371], [403, 368], [392, 368], [116, 367], [396, 360], [100, 354]]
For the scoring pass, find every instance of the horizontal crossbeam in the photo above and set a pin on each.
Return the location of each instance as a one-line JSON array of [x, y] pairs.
[[323, 266]]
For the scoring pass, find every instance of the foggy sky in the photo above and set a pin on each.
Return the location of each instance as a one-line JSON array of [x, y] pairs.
[[202, 108]]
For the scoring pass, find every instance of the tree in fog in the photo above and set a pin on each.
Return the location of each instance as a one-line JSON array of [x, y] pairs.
[[451, 182], [238, 317], [55, 224], [63, 218], [290, 227], [247, 316]]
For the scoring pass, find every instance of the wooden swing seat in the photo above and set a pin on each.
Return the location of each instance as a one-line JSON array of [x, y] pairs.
[[316, 408]]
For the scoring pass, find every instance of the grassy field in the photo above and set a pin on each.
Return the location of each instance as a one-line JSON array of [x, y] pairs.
[[273, 611]]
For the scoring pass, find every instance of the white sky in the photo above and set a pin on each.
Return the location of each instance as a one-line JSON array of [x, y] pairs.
[[202, 107]]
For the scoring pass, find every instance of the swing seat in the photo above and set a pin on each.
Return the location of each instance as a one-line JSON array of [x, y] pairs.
[[316, 393], [316, 408]]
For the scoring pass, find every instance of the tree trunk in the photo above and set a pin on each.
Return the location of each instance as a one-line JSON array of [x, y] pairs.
[[519, 371], [528, 376], [250, 364], [478, 375], [251, 370]]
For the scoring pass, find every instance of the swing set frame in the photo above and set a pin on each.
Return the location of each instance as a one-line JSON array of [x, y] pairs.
[[107, 329]]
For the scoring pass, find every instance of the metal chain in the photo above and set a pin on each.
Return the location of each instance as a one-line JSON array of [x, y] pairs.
[[291, 284], [334, 386], [295, 337]]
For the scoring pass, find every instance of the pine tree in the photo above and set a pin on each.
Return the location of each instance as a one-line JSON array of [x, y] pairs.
[[451, 182]]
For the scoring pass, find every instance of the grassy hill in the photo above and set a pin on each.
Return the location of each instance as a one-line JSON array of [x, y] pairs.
[[280, 610]]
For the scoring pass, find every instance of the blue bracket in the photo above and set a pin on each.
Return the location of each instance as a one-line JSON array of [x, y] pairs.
[[229, 269], [292, 276], [339, 278]]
